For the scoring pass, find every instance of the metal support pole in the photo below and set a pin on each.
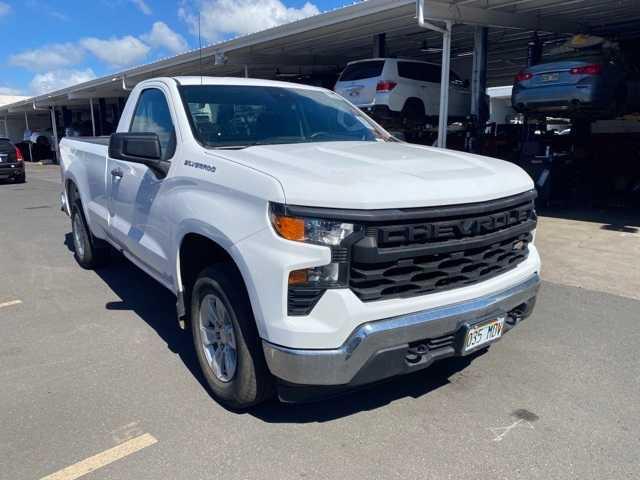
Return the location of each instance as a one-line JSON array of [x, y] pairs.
[[26, 122], [246, 71], [443, 120], [534, 50], [479, 73], [102, 116], [379, 45], [93, 118], [54, 127], [6, 127]]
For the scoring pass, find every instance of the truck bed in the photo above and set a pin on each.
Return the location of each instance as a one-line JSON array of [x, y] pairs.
[[102, 140]]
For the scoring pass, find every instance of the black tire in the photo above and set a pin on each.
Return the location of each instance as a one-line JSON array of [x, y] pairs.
[[413, 114], [21, 179], [251, 382], [87, 250]]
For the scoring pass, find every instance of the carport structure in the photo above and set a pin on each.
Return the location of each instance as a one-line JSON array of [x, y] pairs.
[[485, 40]]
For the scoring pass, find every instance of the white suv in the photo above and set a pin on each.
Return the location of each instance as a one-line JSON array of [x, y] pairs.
[[400, 92]]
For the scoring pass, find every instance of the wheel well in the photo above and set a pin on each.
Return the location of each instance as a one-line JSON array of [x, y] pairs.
[[414, 102], [198, 252]]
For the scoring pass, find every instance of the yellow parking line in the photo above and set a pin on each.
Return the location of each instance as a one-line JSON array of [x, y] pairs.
[[11, 303], [102, 459]]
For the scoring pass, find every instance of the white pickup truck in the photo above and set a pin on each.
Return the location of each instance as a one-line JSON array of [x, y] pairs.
[[309, 250]]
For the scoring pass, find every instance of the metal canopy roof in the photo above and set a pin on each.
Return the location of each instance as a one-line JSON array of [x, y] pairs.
[[327, 41]]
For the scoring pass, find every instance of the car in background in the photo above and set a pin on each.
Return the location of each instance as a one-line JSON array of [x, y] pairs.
[[11, 162], [402, 93], [587, 76]]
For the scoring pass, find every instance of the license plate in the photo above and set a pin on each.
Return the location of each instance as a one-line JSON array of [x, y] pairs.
[[483, 333], [550, 77]]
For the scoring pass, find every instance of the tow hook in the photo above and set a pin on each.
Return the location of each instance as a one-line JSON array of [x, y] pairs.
[[415, 354]]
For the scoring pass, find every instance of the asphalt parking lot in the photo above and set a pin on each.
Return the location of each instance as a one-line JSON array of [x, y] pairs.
[[90, 361]]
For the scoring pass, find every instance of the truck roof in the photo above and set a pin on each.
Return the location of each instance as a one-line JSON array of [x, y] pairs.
[[238, 81]]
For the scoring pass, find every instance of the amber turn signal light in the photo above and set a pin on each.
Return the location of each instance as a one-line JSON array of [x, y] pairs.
[[298, 277], [290, 228]]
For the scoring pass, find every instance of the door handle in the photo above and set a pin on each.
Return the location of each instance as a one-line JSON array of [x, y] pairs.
[[116, 172]]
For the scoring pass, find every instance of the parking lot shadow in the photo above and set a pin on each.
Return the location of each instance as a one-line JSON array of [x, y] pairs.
[[371, 397], [149, 300], [155, 305]]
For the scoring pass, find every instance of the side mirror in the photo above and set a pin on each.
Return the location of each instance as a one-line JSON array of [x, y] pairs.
[[143, 148]]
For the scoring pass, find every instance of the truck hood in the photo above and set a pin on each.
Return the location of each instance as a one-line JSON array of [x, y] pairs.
[[372, 175]]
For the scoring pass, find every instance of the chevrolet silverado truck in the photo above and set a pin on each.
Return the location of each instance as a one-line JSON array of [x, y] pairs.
[[308, 249]]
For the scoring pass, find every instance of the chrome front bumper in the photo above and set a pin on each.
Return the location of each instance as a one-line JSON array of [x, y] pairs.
[[379, 349]]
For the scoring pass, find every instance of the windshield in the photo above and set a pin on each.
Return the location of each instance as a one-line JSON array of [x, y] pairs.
[[362, 70], [595, 54], [225, 116]]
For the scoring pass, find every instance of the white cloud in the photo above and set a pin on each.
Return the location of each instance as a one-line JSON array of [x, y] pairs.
[[10, 91], [222, 17], [117, 52], [49, 57], [5, 9], [161, 36], [57, 79], [42, 7], [142, 6]]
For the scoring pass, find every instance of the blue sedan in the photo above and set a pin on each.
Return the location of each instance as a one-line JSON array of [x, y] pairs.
[[591, 84]]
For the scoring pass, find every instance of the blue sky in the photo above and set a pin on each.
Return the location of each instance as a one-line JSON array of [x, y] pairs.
[[49, 44]]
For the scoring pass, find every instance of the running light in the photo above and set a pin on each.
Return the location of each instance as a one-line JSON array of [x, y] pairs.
[[595, 69], [523, 76]]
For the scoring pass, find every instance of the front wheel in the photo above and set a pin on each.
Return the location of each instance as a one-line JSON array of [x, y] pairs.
[[226, 339]]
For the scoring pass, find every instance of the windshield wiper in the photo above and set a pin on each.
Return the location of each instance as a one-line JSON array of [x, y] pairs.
[[254, 144], [230, 147]]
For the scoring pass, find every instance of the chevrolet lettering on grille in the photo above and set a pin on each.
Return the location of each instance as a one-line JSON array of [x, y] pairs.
[[445, 230]]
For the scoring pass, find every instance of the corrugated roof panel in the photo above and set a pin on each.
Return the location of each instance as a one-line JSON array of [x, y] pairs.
[[348, 32]]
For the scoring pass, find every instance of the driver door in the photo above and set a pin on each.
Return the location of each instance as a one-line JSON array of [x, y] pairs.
[[133, 188]]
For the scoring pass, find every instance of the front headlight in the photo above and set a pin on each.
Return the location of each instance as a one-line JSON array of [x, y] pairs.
[[311, 230], [307, 285]]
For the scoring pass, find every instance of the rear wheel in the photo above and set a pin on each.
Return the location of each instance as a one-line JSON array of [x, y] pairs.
[[86, 251], [413, 112], [226, 339], [413, 118]]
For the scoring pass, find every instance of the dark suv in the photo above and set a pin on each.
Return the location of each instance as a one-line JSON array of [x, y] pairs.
[[11, 162]]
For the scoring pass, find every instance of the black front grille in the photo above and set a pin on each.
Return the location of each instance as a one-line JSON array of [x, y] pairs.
[[448, 248]]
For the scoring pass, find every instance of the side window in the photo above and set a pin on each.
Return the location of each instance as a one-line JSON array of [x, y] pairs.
[[409, 70], [432, 73], [152, 116], [423, 72]]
